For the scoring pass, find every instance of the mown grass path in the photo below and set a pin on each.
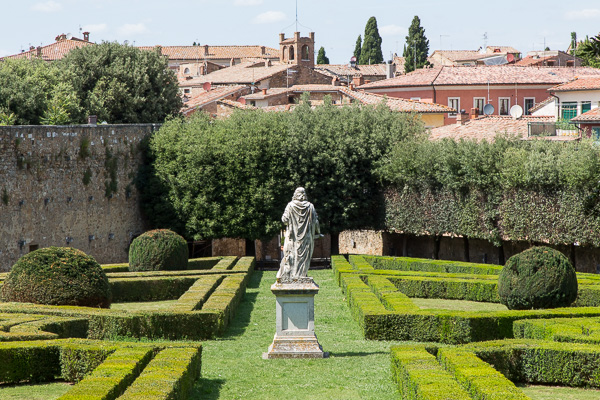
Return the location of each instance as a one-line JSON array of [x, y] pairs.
[[233, 368]]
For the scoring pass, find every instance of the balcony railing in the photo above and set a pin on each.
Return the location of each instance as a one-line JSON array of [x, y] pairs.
[[558, 128]]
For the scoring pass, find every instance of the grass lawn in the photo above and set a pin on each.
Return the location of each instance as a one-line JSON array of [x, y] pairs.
[[144, 306], [44, 391], [559, 393], [457, 305], [233, 368]]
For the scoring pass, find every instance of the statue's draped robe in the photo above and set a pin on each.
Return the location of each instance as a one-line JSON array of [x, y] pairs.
[[300, 219]]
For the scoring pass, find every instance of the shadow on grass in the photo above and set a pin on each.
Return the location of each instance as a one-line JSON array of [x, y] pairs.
[[356, 353], [240, 322], [206, 389]]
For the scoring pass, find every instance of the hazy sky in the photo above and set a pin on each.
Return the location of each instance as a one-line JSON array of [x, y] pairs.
[[458, 25]]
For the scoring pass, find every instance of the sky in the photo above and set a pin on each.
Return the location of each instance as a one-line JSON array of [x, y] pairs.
[[449, 25]]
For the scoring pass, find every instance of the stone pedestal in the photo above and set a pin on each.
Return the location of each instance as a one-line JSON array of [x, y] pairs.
[[295, 335]]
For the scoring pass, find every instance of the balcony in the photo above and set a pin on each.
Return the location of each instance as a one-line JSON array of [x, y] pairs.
[[557, 128]]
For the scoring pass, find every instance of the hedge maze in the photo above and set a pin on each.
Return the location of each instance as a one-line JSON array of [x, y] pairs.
[[41, 343], [471, 355]]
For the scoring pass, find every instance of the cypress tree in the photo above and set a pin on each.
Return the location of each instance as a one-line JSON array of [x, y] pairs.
[[358, 48], [321, 57], [416, 49], [371, 47]]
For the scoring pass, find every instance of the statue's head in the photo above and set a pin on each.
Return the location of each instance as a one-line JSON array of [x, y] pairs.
[[300, 194]]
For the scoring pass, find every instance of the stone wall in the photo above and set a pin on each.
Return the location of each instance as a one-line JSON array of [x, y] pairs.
[[69, 186]]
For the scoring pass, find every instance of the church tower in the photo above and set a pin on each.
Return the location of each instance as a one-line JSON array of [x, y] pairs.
[[297, 50]]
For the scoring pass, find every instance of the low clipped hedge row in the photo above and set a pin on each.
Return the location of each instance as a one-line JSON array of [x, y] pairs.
[[487, 370], [427, 265], [200, 314], [575, 330], [40, 327], [385, 314], [105, 370], [192, 264]]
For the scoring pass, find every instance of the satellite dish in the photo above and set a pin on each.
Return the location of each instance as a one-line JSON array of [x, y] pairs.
[[516, 111], [510, 58], [69, 36], [488, 109], [206, 86]]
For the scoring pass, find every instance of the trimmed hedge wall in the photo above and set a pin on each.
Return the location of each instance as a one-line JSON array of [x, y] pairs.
[[576, 330], [384, 314], [427, 265]]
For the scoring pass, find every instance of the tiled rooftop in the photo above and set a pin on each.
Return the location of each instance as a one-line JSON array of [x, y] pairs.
[[486, 128], [396, 104], [531, 60], [346, 70], [259, 95], [207, 97], [591, 116], [54, 51], [501, 49], [460, 55], [243, 73], [482, 75], [214, 52], [542, 104], [580, 83]]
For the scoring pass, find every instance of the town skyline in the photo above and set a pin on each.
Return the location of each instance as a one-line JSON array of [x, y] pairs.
[[337, 24]]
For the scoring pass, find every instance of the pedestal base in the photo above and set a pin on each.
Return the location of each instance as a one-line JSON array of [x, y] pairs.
[[295, 323], [295, 347]]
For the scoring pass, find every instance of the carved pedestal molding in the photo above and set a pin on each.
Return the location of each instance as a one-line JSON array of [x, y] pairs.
[[295, 335]]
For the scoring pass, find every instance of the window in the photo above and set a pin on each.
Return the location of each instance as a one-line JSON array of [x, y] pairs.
[[528, 104], [186, 71], [291, 53], [186, 91], [305, 55], [596, 133], [504, 105], [586, 106], [416, 98], [479, 103], [454, 102], [568, 110]]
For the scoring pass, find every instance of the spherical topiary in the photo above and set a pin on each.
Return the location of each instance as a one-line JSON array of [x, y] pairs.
[[57, 276], [160, 249], [539, 277]]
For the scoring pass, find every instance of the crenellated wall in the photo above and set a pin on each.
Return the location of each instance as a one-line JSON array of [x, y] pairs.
[[69, 186]]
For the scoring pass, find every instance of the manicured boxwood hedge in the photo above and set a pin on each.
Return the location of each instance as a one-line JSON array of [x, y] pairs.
[[427, 265], [105, 370], [576, 330], [196, 316], [385, 315]]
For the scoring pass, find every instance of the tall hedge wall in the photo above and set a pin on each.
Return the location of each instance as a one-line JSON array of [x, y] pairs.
[[509, 189]]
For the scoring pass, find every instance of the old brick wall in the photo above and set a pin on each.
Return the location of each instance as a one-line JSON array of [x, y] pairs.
[[44, 201], [361, 242], [302, 76]]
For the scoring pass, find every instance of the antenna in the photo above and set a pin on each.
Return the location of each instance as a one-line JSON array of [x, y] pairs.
[[485, 39], [296, 15]]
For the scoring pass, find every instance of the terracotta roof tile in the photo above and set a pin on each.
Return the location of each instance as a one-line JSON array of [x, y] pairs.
[[54, 51], [207, 97], [214, 52], [579, 83], [396, 104], [591, 116], [236, 104], [531, 61], [243, 73], [482, 75], [346, 70], [502, 49], [486, 128], [460, 55], [259, 95]]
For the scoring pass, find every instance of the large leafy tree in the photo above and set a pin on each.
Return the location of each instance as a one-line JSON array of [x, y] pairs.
[[416, 49], [358, 48], [233, 177], [371, 48], [321, 57], [122, 84]]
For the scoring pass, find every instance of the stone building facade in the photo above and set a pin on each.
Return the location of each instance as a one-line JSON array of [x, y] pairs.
[[70, 186]]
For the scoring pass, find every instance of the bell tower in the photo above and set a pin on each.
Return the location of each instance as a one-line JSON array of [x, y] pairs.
[[297, 50]]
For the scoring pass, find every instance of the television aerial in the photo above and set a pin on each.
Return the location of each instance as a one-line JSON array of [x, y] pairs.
[[516, 111], [488, 109]]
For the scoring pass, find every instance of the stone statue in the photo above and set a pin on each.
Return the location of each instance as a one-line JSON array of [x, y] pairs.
[[301, 230]]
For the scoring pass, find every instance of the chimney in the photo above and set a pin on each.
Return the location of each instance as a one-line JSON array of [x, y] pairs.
[[474, 113], [86, 36], [358, 80], [462, 117], [232, 62], [31, 48], [281, 37], [264, 92], [39, 51], [335, 82], [311, 35], [390, 69], [296, 36], [268, 64], [263, 50], [205, 49]]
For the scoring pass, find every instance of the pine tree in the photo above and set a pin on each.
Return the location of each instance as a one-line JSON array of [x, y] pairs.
[[321, 57], [371, 47], [416, 49], [358, 48]]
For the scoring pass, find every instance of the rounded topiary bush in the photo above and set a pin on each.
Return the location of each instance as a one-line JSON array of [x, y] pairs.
[[160, 249], [539, 277], [57, 276]]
